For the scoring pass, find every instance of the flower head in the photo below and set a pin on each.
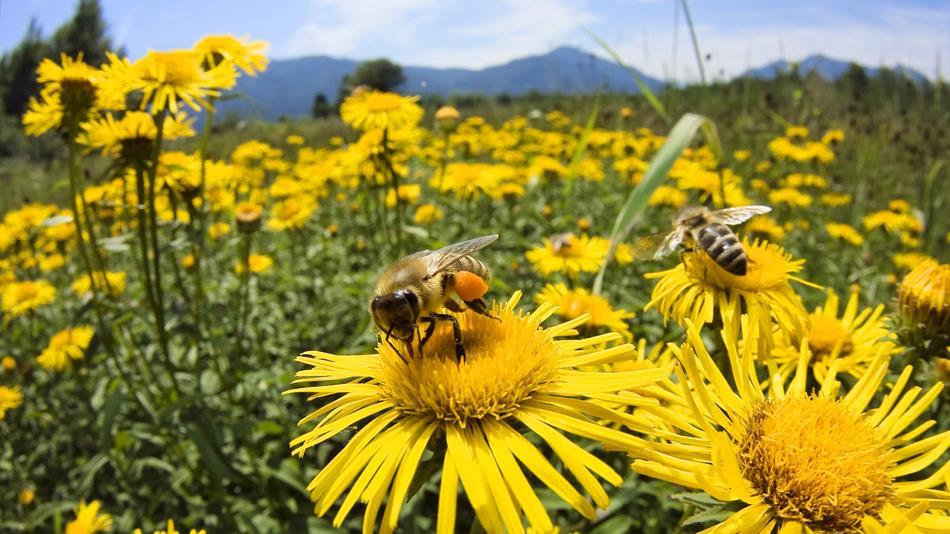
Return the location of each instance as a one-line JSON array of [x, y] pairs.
[[515, 375], [26, 296], [109, 282], [844, 232], [924, 295], [258, 263], [64, 347], [9, 398], [132, 136], [791, 460], [245, 55], [89, 520], [427, 214], [292, 213], [569, 254], [573, 303], [170, 529], [369, 110]]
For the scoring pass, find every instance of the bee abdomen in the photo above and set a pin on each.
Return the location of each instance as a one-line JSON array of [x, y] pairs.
[[472, 265], [723, 247]]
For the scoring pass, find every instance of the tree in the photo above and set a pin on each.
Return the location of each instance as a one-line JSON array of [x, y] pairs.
[[321, 107], [85, 32], [380, 74], [18, 70]]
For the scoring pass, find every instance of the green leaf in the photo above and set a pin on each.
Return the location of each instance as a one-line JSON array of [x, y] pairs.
[[111, 409], [89, 471], [698, 498], [716, 515], [617, 524], [210, 382], [679, 138], [644, 88]]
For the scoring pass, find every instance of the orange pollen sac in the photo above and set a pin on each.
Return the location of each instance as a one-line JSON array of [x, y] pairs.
[[470, 286]]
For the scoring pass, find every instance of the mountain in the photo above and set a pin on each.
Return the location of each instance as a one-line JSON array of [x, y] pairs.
[[288, 86], [826, 67]]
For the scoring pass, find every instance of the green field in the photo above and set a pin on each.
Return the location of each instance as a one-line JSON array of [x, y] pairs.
[[158, 389]]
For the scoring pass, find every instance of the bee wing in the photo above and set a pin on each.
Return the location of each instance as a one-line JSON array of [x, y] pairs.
[[441, 259], [655, 246], [669, 243], [738, 215]]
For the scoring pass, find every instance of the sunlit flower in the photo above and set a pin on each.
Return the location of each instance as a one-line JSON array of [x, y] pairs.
[[295, 140], [906, 261], [248, 216], [573, 303], [427, 214], [68, 97], [26, 296], [741, 155], [64, 347], [244, 54], [170, 529], [111, 283], [699, 290], [790, 196], [446, 114], [10, 398], [89, 520], [832, 136], [26, 495], [370, 110], [516, 378], [851, 342], [471, 180], [408, 194], [668, 196], [218, 230], [9, 364], [569, 254], [790, 460], [765, 227], [845, 232], [893, 221], [259, 264], [796, 132], [291, 213], [835, 200], [132, 136], [924, 295]]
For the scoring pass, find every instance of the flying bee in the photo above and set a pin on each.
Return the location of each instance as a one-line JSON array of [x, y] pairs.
[[414, 289], [561, 242], [708, 230]]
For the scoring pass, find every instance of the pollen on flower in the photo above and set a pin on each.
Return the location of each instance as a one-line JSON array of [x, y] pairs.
[[507, 360], [769, 266], [825, 334], [813, 460]]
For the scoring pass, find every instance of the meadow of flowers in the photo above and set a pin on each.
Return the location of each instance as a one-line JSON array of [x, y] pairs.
[[187, 346]]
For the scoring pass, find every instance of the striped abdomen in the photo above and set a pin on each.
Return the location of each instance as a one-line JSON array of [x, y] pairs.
[[472, 265], [723, 247]]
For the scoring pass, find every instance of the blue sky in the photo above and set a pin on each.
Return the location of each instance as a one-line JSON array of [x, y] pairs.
[[736, 33]]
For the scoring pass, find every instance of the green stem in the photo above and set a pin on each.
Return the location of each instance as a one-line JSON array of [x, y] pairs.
[[245, 291]]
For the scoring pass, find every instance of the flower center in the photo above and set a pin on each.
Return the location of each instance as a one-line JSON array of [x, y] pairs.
[[173, 68], [28, 291], [827, 332], [814, 461], [506, 362], [768, 267], [383, 102]]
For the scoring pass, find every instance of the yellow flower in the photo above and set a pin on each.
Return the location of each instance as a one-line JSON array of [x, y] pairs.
[[899, 205], [89, 520], [471, 180], [924, 295], [427, 214], [247, 56], [844, 232], [906, 261], [832, 136], [9, 364], [446, 114], [170, 529], [10, 398], [796, 132], [294, 140], [370, 110], [26, 296], [766, 227], [259, 264], [791, 196], [408, 194], [165, 78], [517, 377], [893, 222], [188, 261], [626, 112], [850, 344], [573, 303], [26, 496], [109, 282], [790, 460], [741, 155], [698, 290], [763, 166], [64, 347], [569, 254], [218, 230], [248, 216], [668, 196], [43, 115], [835, 199], [799, 179], [68, 97], [291, 213], [131, 137]]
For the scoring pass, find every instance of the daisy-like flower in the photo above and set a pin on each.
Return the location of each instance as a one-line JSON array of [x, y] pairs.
[[573, 303], [924, 295], [68, 97], [668, 196], [845, 232], [698, 289], [64, 347], [471, 180], [248, 216], [427, 214], [853, 341], [408, 194], [110, 282], [446, 114], [516, 377], [26, 296], [569, 254], [170, 529], [370, 110], [10, 398], [165, 78], [291, 213], [219, 229], [89, 519], [258, 263], [835, 200], [242, 53], [132, 136], [790, 460]]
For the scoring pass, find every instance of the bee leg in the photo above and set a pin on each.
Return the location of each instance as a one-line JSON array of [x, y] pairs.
[[456, 330], [480, 307], [430, 329], [390, 343]]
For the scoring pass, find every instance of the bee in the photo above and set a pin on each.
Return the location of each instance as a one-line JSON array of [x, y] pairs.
[[414, 289], [708, 230], [561, 242]]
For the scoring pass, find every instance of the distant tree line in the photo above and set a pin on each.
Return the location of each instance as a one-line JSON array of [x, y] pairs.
[[379, 74]]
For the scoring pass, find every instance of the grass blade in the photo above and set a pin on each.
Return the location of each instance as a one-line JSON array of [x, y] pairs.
[[680, 137], [692, 34], [644, 88], [581, 147]]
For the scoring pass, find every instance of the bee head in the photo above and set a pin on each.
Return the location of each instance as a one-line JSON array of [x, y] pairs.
[[396, 314], [688, 215]]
